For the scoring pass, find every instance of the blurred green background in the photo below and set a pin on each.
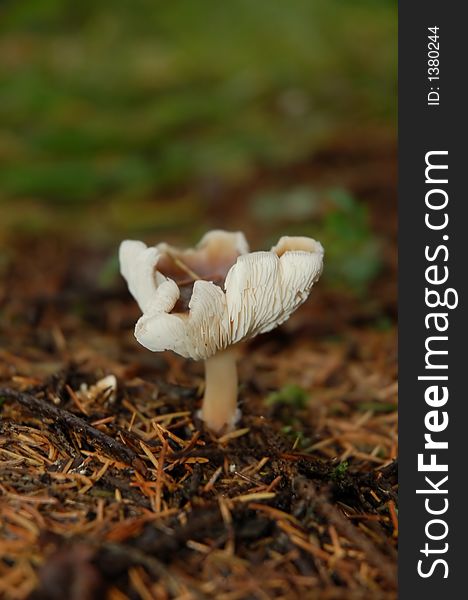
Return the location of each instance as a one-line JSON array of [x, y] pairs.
[[159, 120]]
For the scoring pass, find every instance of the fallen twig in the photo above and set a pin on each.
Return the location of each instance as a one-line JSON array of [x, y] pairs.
[[108, 446]]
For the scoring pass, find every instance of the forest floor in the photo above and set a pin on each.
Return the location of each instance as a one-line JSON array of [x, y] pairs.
[[113, 488]]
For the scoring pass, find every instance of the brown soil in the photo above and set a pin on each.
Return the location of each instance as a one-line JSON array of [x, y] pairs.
[[125, 495]]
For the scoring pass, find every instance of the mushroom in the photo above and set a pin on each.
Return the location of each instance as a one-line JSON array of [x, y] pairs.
[[201, 302]]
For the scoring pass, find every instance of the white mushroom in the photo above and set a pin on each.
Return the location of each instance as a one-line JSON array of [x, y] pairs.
[[200, 302]]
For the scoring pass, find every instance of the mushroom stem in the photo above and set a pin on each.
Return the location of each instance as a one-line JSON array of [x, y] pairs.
[[219, 406]]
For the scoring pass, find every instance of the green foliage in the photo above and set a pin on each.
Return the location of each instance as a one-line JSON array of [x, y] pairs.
[[291, 395], [339, 471], [335, 218], [109, 272], [352, 254], [286, 403], [384, 323], [294, 204], [116, 97], [297, 437]]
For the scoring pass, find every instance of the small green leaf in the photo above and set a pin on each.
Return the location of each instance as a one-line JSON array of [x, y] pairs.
[[291, 394], [340, 470]]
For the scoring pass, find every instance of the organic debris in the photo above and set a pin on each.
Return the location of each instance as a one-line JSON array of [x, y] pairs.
[[110, 485]]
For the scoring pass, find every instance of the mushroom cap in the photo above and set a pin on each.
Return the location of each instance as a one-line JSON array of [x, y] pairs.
[[260, 290]]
